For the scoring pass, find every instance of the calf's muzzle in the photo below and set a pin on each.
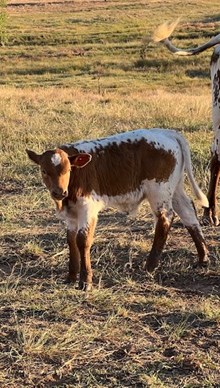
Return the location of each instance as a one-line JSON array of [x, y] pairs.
[[59, 194]]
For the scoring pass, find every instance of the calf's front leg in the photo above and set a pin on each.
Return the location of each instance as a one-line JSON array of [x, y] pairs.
[[84, 241], [74, 257]]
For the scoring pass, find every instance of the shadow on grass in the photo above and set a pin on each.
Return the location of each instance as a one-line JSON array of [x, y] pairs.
[[211, 19], [45, 255], [193, 73], [65, 71]]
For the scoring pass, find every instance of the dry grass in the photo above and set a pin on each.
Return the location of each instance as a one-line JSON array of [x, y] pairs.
[[132, 330]]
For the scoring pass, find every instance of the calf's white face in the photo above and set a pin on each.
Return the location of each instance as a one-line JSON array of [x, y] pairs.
[[56, 167]]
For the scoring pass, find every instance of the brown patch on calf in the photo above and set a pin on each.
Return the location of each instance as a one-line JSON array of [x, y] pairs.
[[200, 244], [46, 163], [55, 177], [121, 168]]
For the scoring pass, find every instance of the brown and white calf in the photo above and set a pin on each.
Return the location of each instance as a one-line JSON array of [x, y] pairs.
[[161, 35], [121, 171]]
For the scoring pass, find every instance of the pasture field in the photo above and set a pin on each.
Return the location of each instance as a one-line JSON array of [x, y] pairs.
[[84, 69]]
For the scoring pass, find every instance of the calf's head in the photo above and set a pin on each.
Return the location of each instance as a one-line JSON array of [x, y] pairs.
[[56, 167]]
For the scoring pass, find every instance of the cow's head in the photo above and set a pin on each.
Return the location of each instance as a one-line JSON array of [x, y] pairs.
[[55, 168]]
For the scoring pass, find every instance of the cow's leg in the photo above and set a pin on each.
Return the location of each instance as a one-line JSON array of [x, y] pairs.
[[210, 214], [84, 241], [184, 207], [164, 220], [74, 258]]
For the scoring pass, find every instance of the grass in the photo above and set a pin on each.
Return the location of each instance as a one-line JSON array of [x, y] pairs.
[[87, 69]]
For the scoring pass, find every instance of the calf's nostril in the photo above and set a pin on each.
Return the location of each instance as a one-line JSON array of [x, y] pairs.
[[55, 193], [59, 193]]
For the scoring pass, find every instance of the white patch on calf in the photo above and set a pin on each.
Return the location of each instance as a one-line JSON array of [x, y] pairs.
[[125, 202], [156, 136], [69, 216], [158, 194], [87, 210], [56, 159], [79, 215]]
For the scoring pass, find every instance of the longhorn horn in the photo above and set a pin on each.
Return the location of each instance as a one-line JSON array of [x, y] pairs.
[[163, 32]]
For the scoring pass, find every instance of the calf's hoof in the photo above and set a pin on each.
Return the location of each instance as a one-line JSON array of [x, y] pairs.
[[70, 280], [85, 286]]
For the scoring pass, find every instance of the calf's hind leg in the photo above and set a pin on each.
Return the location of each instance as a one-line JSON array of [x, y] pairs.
[[164, 220], [184, 207]]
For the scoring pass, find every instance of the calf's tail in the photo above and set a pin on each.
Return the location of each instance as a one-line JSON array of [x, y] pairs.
[[188, 167]]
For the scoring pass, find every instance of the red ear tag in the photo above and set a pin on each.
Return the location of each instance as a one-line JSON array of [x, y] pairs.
[[80, 160]]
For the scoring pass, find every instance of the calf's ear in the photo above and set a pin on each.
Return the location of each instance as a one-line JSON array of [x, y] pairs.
[[80, 160], [33, 156]]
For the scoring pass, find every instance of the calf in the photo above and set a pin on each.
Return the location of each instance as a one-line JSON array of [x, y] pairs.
[[121, 171], [161, 35]]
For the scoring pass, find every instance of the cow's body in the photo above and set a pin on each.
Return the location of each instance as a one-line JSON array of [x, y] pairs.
[[121, 171], [123, 168], [161, 35]]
